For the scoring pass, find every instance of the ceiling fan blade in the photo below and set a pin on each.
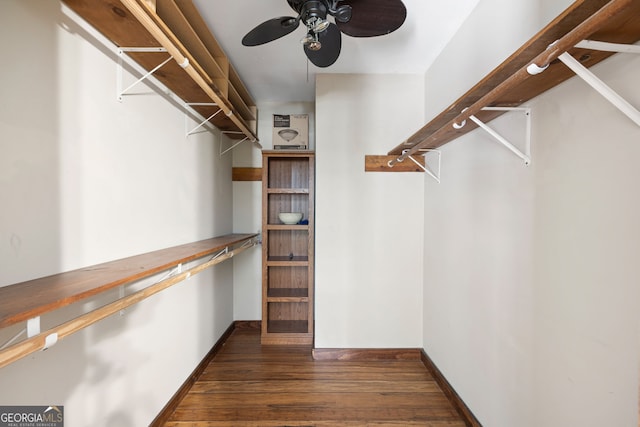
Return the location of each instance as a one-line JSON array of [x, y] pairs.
[[270, 30], [371, 18], [331, 40]]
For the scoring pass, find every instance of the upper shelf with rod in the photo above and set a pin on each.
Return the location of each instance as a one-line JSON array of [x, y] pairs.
[[200, 74], [537, 67]]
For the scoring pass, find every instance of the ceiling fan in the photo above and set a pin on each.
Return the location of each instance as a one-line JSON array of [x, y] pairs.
[[323, 42]]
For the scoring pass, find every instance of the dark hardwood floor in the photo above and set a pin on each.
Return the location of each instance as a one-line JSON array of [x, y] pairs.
[[247, 384]]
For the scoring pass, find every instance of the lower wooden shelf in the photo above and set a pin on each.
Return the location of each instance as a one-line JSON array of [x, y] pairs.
[[290, 260], [298, 294], [287, 326], [22, 301]]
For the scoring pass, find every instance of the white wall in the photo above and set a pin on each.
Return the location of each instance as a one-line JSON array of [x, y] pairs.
[[368, 225], [85, 179], [247, 207], [531, 290]]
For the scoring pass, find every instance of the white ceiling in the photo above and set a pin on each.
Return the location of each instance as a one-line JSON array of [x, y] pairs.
[[279, 71]]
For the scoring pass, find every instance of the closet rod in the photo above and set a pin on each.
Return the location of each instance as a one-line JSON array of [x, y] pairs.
[[569, 40]]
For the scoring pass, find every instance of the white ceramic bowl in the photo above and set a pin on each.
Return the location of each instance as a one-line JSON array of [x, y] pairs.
[[290, 217]]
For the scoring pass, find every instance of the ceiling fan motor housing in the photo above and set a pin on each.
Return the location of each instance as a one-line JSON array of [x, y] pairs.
[[343, 13], [308, 9]]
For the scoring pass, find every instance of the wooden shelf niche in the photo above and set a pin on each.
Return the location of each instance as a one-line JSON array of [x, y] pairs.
[[200, 72], [287, 249]]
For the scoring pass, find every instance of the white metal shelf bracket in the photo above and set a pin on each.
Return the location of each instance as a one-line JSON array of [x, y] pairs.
[[435, 175], [195, 130], [121, 54], [609, 47], [12, 340], [219, 254], [601, 87], [592, 80], [222, 153], [33, 327], [526, 155]]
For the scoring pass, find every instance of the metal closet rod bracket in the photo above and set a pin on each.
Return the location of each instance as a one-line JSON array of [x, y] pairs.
[[526, 155], [122, 51], [591, 79], [32, 329]]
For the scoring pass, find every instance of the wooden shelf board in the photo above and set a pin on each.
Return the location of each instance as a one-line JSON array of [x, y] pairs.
[[243, 92], [192, 14], [288, 191], [288, 153], [286, 339], [22, 301], [288, 326], [620, 28], [285, 227], [115, 22], [246, 174], [287, 299], [169, 12], [374, 163], [300, 294], [241, 106], [285, 260]]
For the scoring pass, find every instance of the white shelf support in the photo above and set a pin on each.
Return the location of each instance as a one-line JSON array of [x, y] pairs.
[[219, 254], [121, 53], [12, 340], [121, 294], [205, 121], [609, 47], [602, 88], [435, 175], [33, 327], [526, 155], [592, 80], [222, 153]]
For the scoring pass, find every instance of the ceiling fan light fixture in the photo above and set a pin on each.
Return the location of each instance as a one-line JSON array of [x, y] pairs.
[[311, 41], [318, 25], [315, 46]]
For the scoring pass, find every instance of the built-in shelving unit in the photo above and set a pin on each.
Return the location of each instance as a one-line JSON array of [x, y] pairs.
[[545, 61], [287, 249], [200, 73]]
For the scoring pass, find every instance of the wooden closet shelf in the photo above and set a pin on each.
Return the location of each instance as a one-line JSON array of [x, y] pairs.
[[291, 293], [276, 261], [287, 191], [301, 227], [510, 85], [22, 301], [297, 327], [201, 72]]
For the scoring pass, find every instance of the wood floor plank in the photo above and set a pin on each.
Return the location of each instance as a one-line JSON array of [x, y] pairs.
[[314, 386], [288, 423], [248, 384], [321, 399], [334, 371]]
